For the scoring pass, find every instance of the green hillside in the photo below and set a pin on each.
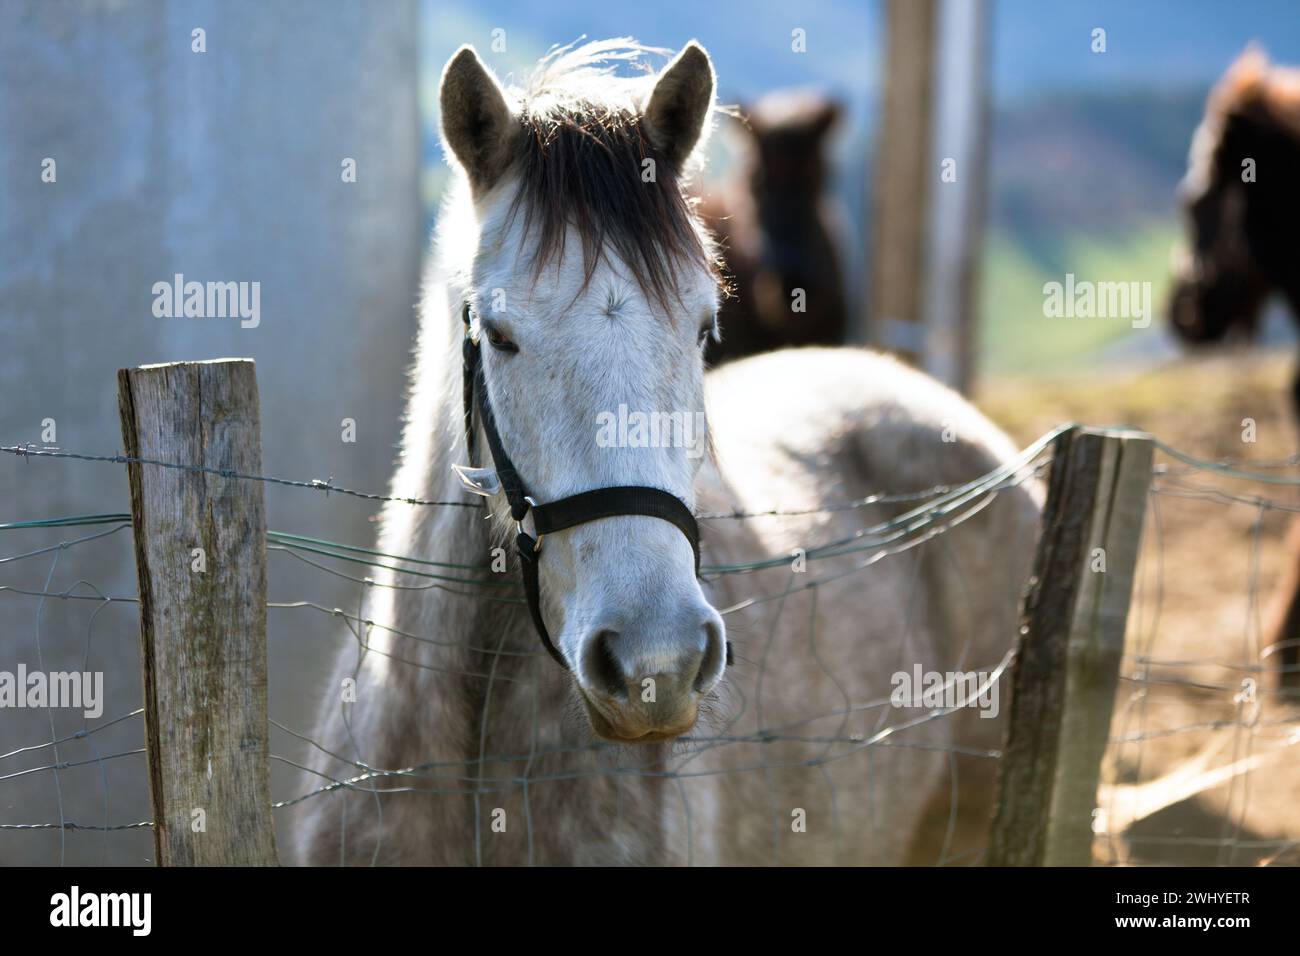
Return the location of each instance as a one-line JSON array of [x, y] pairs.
[[1015, 337]]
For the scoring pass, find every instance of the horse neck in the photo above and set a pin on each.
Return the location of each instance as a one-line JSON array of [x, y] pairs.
[[462, 624], [1273, 145], [1287, 205]]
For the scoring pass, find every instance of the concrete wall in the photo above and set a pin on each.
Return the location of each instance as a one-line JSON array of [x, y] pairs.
[[224, 166]]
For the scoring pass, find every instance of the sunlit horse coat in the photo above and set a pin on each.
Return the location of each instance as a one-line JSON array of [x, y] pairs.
[[798, 755]]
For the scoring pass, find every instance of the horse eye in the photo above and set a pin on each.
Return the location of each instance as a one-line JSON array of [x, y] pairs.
[[708, 330], [498, 341]]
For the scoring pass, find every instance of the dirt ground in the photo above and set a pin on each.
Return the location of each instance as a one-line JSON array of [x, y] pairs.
[[1204, 761]]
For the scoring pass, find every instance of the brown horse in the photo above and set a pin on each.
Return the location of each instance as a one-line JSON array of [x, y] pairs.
[[775, 224], [1241, 200]]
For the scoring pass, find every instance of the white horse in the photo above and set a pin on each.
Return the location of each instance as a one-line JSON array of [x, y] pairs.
[[592, 288]]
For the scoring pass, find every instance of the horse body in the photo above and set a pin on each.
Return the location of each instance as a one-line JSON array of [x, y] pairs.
[[797, 756], [801, 660], [1241, 202]]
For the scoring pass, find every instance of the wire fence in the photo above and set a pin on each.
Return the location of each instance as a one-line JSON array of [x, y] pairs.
[[1198, 768], [1203, 753]]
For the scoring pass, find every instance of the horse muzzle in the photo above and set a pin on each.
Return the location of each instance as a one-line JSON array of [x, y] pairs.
[[638, 689], [635, 725], [1186, 316], [1203, 314]]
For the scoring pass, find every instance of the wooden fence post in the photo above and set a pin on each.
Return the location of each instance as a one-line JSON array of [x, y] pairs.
[[901, 192], [1068, 651], [200, 546], [929, 183]]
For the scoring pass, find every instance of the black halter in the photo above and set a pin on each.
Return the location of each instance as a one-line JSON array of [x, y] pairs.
[[567, 512]]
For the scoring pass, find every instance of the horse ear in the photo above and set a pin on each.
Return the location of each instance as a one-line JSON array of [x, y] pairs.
[[681, 104], [1244, 81], [477, 125], [1252, 60]]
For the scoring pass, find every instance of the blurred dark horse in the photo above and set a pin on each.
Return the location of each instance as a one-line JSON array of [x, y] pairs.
[[1241, 199], [777, 230]]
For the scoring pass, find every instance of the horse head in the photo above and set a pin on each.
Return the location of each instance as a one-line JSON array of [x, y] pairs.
[[591, 289], [1239, 201], [785, 167]]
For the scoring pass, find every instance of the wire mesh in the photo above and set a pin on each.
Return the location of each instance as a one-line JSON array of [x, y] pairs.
[[1197, 769]]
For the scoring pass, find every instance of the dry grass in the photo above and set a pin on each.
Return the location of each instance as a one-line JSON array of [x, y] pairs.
[[1211, 576]]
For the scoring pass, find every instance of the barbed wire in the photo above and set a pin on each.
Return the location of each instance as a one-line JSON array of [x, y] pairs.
[[867, 538], [936, 511], [1226, 467], [316, 484], [31, 450]]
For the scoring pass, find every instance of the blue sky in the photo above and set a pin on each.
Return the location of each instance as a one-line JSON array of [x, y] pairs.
[[1038, 45]]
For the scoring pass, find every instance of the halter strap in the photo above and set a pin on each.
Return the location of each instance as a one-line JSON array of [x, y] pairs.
[[548, 518], [615, 502]]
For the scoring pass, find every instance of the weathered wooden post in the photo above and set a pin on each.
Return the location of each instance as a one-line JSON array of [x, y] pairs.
[[930, 177], [895, 319], [200, 546], [1068, 651]]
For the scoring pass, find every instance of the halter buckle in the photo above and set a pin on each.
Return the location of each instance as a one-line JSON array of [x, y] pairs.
[[519, 525], [469, 325]]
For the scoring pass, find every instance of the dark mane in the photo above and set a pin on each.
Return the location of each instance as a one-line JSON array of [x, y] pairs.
[[1253, 88], [581, 164]]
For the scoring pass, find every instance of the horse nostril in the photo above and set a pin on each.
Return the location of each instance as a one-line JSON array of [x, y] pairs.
[[601, 667], [714, 658]]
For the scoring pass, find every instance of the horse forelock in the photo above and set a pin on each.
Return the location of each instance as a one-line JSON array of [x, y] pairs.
[[1255, 88], [584, 163], [1253, 94]]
